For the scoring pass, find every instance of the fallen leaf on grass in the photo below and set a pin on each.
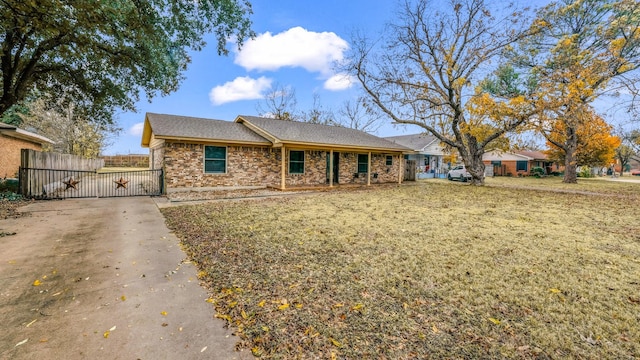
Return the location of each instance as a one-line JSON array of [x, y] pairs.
[[165, 324], [123, 298], [163, 313], [37, 283], [435, 329], [495, 321], [261, 303], [106, 334], [554, 290], [357, 307], [283, 306], [335, 342], [22, 342]]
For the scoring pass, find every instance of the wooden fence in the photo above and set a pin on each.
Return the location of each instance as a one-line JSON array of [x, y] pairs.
[[137, 161], [31, 159], [54, 161]]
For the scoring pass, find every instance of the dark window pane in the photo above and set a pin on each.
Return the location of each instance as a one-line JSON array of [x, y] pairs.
[[389, 160], [214, 166], [215, 152], [521, 165], [296, 168], [363, 163], [297, 155]]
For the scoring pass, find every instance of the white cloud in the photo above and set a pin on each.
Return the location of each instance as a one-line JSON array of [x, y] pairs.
[[136, 129], [296, 47], [339, 82], [241, 88]]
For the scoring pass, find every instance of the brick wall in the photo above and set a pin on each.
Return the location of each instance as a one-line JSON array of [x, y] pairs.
[[126, 161], [260, 166], [10, 154], [246, 166]]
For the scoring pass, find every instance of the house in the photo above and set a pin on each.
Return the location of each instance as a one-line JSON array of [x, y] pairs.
[[428, 154], [517, 163], [12, 140], [197, 152]]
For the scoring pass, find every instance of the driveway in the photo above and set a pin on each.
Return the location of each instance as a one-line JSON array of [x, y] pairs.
[[102, 279]]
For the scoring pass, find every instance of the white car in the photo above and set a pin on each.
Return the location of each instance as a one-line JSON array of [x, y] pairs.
[[459, 172]]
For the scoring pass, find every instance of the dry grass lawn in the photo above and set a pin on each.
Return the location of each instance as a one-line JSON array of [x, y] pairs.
[[438, 270]]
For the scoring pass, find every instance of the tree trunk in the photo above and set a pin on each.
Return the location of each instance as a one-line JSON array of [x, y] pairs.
[[570, 160], [473, 161]]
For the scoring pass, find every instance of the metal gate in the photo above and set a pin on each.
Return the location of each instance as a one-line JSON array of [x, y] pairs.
[[62, 184]]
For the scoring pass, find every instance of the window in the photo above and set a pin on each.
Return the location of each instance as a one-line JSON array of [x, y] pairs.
[[296, 162], [363, 163], [389, 160], [496, 163], [215, 159], [521, 165]]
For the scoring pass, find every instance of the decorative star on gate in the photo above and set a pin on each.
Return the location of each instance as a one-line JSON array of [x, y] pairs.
[[122, 183], [71, 183]]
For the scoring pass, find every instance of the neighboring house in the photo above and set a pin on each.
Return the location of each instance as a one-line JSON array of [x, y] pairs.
[[197, 152], [518, 162], [12, 140], [429, 153]]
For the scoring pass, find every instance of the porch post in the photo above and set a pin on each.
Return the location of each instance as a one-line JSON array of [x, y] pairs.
[[283, 168], [400, 160], [331, 168], [369, 170]]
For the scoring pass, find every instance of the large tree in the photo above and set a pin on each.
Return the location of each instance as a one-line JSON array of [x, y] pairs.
[[105, 54], [428, 71], [584, 50]]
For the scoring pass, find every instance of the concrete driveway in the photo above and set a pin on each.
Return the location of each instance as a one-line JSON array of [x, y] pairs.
[[102, 279]]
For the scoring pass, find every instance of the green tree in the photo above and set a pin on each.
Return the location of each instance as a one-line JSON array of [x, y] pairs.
[[428, 72], [105, 54]]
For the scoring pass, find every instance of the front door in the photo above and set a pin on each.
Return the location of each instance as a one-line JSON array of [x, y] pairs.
[[336, 166]]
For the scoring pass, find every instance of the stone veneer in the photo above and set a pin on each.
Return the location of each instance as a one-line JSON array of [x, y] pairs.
[[260, 166]]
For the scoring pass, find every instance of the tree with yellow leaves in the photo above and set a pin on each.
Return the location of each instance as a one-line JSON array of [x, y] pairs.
[[595, 144], [431, 67], [583, 50]]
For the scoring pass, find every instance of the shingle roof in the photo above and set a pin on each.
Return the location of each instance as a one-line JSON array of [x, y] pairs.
[[318, 134], [537, 155], [175, 126], [416, 142], [16, 132]]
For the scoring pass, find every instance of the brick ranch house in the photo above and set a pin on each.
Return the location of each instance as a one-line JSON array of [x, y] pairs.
[[248, 152], [12, 140], [518, 163]]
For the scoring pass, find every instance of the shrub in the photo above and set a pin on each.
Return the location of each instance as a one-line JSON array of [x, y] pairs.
[[585, 172], [9, 185]]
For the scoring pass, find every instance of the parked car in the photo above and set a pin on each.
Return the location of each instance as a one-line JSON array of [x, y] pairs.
[[459, 173], [635, 172]]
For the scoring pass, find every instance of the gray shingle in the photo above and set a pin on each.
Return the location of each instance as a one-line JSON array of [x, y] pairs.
[[414, 141], [317, 134], [177, 126]]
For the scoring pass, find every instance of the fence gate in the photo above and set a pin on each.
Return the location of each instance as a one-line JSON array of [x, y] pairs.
[[410, 170], [62, 184]]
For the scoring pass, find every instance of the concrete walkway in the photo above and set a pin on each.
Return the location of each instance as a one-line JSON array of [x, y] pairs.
[[102, 279]]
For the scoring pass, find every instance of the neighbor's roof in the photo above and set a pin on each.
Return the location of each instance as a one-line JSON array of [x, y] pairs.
[[16, 132], [306, 134], [416, 142], [537, 155], [191, 128]]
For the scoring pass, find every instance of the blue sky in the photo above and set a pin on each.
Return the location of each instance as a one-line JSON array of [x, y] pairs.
[[297, 42]]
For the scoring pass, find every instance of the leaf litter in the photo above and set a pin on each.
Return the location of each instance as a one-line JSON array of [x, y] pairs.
[[422, 272]]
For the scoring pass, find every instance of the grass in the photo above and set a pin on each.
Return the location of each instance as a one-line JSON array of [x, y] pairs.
[[438, 270]]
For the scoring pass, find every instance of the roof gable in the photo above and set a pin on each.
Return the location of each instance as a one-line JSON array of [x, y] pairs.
[[496, 155], [416, 142], [293, 132], [191, 128]]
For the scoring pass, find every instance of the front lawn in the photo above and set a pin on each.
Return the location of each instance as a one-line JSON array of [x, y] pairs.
[[437, 270]]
